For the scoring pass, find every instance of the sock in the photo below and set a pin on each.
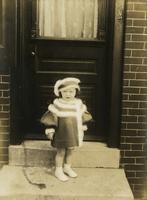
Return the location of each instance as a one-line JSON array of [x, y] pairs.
[[68, 170], [60, 174]]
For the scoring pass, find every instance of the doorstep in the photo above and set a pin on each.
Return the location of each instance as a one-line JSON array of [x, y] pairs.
[[40, 153], [91, 184]]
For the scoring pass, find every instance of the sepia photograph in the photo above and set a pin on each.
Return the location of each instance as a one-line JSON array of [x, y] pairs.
[[73, 99]]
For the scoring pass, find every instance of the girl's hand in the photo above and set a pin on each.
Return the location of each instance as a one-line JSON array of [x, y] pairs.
[[85, 128], [49, 132]]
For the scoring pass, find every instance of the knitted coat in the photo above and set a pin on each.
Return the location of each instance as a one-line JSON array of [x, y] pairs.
[[67, 118]]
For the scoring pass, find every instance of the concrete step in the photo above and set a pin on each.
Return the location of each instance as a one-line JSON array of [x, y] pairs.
[[40, 153], [18, 183]]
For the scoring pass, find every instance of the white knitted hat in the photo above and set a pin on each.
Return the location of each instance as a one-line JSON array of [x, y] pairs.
[[65, 84]]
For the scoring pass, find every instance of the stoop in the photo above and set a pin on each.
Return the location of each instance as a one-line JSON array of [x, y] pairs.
[[91, 184], [32, 164], [40, 153]]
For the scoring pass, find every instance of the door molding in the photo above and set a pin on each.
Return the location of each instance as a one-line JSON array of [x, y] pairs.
[[117, 64], [115, 68]]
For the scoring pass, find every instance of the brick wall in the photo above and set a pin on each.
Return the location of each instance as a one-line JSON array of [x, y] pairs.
[[134, 103], [4, 118]]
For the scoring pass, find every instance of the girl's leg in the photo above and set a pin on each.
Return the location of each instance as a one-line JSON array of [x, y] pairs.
[[59, 159], [68, 162]]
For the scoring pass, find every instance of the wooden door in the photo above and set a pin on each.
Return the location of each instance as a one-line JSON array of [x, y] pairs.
[[54, 57]]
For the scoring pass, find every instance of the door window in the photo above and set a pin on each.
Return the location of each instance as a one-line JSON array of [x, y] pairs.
[[71, 19]]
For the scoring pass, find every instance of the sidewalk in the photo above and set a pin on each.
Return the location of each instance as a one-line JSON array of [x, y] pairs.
[[37, 183]]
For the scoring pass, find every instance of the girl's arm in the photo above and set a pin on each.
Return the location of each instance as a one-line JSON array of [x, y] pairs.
[[50, 120], [86, 117]]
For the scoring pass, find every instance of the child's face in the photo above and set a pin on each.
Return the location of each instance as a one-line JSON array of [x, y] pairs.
[[68, 94]]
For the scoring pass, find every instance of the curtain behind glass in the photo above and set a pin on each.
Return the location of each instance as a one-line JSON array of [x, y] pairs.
[[68, 18]]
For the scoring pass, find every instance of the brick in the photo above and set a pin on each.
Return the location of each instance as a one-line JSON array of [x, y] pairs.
[[4, 157], [123, 125], [4, 136], [125, 82], [137, 111], [138, 186], [124, 111], [129, 22], [127, 161], [4, 143], [4, 86], [6, 79], [4, 150], [143, 104], [127, 53], [6, 108], [136, 180], [137, 146], [130, 6], [141, 7], [122, 139], [135, 167], [137, 125], [141, 133], [127, 37], [141, 76], [139, 38], [135, 14], [140, 97], [141, 174], [134, 30], [4, 115], [136, 154], [130, 104], [126, 68], [125, 146], [138, 68], [134, 45], [6, 93], [145, 61], [129, 133], [139, 83], [129, 118], [125, 97], [131, 90], [122, 153], [130, 174], [138, 1], [4, 101], [131, 60], [140, 160], [138, 195], [139, 53], [142, 119], [4, 122], [129, 75], [138, 22], [4, 129], [136, 140]]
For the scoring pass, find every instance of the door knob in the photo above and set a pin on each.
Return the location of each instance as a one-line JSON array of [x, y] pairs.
[[33, 53]]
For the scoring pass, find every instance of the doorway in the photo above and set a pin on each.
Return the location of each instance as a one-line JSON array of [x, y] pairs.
[[46, 54]]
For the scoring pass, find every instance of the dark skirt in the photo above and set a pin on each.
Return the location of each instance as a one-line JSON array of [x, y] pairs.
[[66, 134]]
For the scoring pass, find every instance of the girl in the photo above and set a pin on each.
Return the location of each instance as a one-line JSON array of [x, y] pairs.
[[64, 120]]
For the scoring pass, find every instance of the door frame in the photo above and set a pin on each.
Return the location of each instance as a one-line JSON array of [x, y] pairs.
[[115, 57]]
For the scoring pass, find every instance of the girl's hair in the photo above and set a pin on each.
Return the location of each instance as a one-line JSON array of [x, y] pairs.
[[77, 93]]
